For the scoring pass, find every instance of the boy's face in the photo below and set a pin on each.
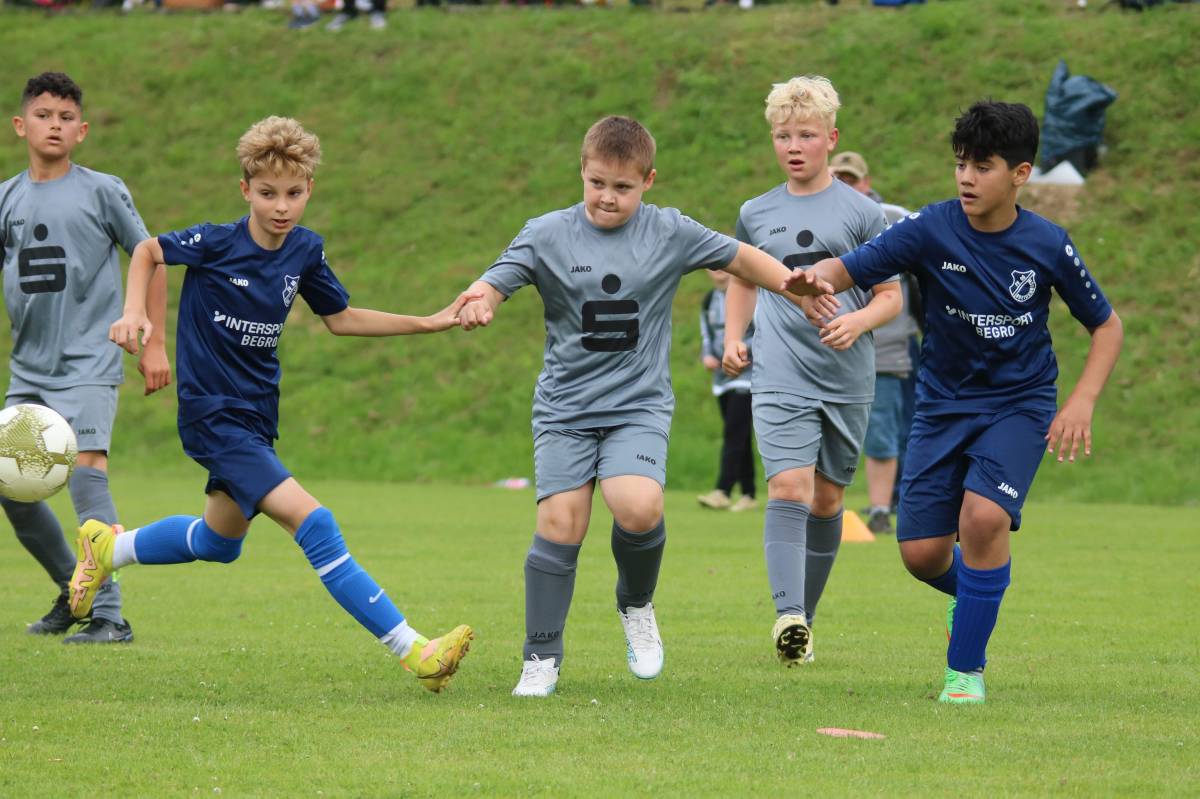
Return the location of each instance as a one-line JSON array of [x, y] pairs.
[[987, 186], [52, 126], [277, 202], [802, 148], [612, 191]]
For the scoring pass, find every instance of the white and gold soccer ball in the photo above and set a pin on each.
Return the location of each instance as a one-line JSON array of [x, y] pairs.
[[37, 452]]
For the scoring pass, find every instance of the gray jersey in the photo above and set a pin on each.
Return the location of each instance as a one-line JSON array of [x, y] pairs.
[[607, 296], [789, 357], [712, 342], [891, 339], [62, 274]]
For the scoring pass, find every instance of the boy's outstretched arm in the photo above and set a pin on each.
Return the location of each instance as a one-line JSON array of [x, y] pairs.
[[146, 258], [740, 299], [479, 312], [755, 266], [154, 364], [1072, 424], [366, 322], [831, 271]]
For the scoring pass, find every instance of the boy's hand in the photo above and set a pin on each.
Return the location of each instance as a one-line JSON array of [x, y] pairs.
[[1071, 426], [710, 363], [155, 368], [802, 282], [819, 310], [737, 358], [841, 332], [449, 316], [124, 331], [475, 313]]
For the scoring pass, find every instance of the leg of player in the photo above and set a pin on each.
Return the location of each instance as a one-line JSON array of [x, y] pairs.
[[824, 537], [562, 522], [38, 530], [317, 534], [785, 535], [639, 536], [92, 500]]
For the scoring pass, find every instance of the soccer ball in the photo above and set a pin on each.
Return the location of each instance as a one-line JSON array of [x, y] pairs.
[[37, 452]]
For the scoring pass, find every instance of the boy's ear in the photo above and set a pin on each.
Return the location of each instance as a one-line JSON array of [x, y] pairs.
[[19, 126], [245, 189], [649, 180], [83, 131], [1021, 174]]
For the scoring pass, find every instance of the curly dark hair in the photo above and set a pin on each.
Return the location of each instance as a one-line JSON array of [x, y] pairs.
[[56, 84], [989, 127]]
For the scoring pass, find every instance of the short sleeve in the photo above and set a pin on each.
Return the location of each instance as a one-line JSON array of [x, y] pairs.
[[188, 247], [1078, 287], [321, 289], [515, 266], [742, 234], [702, 248], [891, 252], [125, 225]]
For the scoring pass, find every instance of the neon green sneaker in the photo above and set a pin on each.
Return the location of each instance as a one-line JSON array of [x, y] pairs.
[[95, 553], [793, 639], [950, 617], [963, 687], [434, 662]]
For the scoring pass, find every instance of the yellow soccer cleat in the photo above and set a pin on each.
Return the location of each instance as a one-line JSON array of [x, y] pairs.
[[793, 639], [434, 662], [95, 552]]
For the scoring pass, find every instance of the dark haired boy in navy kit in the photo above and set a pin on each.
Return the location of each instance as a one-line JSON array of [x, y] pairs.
[[986, 396]]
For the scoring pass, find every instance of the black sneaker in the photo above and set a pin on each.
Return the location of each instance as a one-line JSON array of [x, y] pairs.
[[102, 631], [56, 622], [879, 522]]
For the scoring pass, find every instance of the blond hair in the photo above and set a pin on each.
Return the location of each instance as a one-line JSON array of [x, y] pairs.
[[803, 98], [620, 139], [278, 145]]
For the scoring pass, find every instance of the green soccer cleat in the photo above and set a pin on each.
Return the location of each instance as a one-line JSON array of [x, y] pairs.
[[434, 662], [793, 639], [963, 687], [950, 617], [95, 553]]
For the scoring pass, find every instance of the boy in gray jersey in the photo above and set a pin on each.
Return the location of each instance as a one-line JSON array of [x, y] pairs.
[[607, 270], [812, 390], [60, 225]]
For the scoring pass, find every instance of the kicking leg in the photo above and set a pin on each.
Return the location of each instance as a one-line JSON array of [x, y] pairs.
[[639, 536], [785, 535]]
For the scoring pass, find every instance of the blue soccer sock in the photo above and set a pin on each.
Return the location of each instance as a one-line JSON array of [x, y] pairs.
[[352, 587], [980, 592], [175, 539], [948, 582]]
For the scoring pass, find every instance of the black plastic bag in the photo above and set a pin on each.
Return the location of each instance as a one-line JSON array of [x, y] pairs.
[[1073, 126]]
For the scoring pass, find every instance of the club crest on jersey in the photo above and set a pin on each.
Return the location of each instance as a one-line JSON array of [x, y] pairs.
[[1023, 285], [291, 284]]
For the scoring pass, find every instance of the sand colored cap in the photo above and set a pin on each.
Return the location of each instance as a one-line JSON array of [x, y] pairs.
[[850, 163]]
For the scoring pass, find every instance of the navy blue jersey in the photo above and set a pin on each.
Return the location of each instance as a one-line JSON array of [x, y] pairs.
[[235, 298], [987, 301]]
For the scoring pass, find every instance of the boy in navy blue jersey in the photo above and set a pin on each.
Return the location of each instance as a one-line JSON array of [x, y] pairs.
[[986, 392], [239, 287]]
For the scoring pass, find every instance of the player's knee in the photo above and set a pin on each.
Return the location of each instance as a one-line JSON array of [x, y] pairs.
[[640, 517], [922, 562], [982, 518], [793, 485], [209, 545]]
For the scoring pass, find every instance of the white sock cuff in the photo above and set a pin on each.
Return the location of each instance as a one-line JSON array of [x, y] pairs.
[[400, 639], [123, 549]]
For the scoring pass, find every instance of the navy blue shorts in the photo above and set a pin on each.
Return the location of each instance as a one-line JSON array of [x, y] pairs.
[[237, 450], [994, 455]]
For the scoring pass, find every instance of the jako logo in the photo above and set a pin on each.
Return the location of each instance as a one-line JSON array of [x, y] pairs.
[[239, 281], [1005, 488], [647, 459], [949, 267], [577, 268]]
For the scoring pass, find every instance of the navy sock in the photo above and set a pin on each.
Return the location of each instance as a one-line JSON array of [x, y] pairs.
[[948, 582], [979, 594], [354, 589], [183, 539]]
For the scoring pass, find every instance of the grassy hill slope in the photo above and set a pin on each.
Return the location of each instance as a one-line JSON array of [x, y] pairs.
[[444, 133]]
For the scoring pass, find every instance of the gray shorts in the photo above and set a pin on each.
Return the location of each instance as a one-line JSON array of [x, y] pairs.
[[794, 432], [90, 410], [564, 460]]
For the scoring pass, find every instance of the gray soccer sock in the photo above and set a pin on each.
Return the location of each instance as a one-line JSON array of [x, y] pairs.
[[784, 533], [639, 558], [38, 530], [824, 538], [92, 500], [549, 585]]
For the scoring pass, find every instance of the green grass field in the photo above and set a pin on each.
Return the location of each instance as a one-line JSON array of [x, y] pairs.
[[248, 680]]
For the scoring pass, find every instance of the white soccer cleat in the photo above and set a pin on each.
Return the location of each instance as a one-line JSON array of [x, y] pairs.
[[538, 677], [793, 640], [644, 648]]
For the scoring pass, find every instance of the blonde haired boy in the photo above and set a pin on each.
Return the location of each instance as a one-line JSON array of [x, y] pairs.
[[812, 388], [607, 270], [241, 281]]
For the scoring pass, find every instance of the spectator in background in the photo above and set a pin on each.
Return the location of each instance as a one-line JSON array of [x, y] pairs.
[[895, 369], [733, 398], [377, 17], [304, 13]]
